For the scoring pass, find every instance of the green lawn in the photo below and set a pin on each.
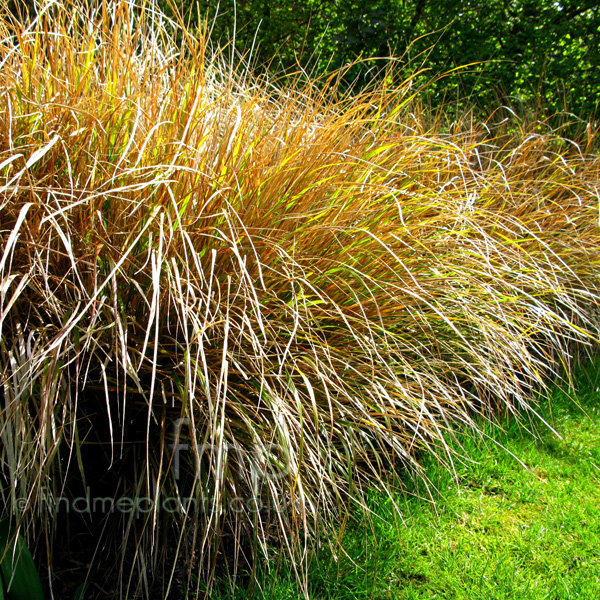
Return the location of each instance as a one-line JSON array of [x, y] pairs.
[[520, 519]]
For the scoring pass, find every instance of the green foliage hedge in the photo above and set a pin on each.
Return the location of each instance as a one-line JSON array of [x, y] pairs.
[[522, 50]]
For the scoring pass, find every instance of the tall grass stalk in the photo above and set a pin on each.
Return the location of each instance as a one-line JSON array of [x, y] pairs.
[[302, 290]]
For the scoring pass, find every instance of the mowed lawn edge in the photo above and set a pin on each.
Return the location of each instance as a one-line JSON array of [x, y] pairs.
[[518, 518]]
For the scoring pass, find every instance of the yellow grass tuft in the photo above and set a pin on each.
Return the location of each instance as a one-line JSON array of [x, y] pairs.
[[306, 290]]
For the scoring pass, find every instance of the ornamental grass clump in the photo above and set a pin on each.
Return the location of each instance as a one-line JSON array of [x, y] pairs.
[[227, 308]]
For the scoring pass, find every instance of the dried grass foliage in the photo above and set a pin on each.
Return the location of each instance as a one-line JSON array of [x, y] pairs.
[[325, 282]]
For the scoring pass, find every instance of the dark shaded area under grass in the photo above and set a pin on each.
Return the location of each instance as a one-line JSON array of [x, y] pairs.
[[519, 519]]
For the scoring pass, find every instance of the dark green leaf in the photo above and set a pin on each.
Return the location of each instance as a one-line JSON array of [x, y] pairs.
[[20, 578]]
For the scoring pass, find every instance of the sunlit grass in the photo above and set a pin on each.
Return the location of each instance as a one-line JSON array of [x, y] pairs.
[[520, 519], [306, 291]]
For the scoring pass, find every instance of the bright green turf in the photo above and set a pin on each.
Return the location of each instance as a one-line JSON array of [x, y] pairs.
[[498, 530]]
